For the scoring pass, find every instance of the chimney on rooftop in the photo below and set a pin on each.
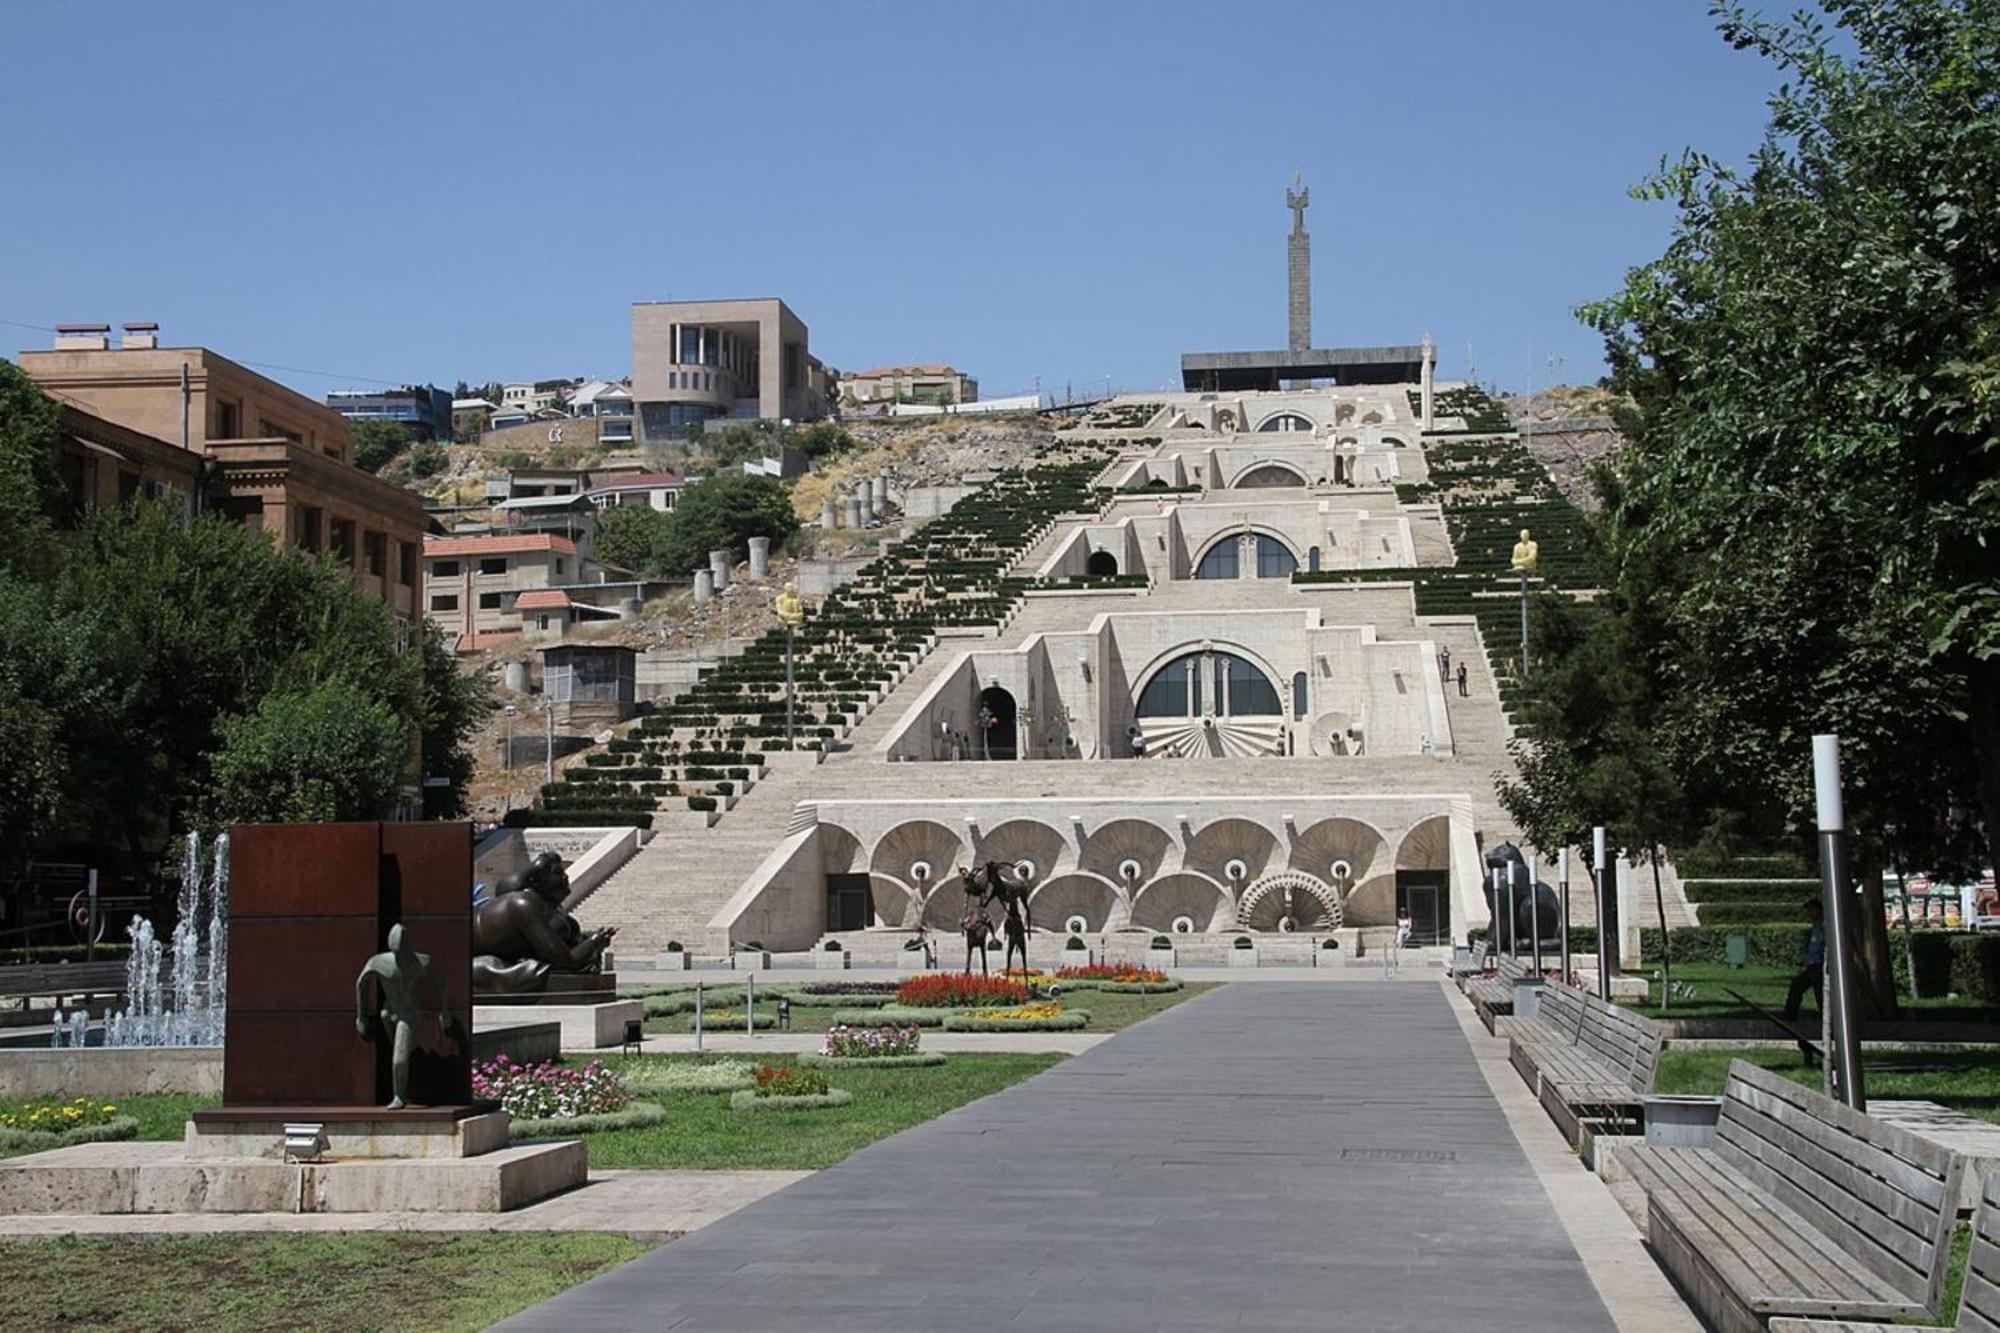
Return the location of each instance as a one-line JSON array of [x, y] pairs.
[[140, 336], [82, 337]]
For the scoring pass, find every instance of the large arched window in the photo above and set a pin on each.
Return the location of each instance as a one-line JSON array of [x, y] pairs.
[[1285, 422], [1173, 689], [1220, 562], [1229, 685], [1274, 559], [1268, 474]]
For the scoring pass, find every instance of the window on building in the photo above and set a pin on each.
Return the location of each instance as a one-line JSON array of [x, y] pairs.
[[407, 573], [1242, 690], [1274, 561], [445, 601], [493, 564], [1173, 689], [228, 419], [341, 534], [1220, 562], [444, 569], [489, 601]]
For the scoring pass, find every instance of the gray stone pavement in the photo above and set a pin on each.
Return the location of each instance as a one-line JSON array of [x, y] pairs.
[[650, 1205], [1269, 1156]]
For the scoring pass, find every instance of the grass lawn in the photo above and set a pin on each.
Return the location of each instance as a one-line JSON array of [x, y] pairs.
[[1967, 1081], [701, 1131], [364, 1280], [1767, 986], [1109, 1011], [160, 1116]]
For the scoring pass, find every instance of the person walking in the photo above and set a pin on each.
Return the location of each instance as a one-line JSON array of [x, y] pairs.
[[1811, 975], [1462, 691]]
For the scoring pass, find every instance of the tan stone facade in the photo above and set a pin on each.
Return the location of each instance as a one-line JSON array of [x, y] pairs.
[[280, 462]]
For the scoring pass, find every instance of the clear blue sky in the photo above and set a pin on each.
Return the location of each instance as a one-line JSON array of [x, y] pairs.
[[424, 192]]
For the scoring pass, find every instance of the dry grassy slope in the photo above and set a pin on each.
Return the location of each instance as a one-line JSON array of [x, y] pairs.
[[1568, 455]]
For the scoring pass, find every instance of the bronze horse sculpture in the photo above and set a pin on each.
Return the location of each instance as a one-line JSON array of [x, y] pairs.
[[991, 883]]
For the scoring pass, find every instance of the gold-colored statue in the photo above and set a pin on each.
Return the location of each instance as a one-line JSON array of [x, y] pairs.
[[790, 607], [1526, 552]]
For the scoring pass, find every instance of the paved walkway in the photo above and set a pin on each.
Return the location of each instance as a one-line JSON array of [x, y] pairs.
[[1272, 1156]]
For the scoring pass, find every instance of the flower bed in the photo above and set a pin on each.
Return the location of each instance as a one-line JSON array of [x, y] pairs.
[[41, 1125], [635, 1115], [1049, 1017], [852, 1042], [787, 1088], [549, 1090], [959, 990], [683, 1079]]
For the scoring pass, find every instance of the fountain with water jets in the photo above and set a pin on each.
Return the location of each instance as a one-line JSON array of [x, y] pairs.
[[191, 968]]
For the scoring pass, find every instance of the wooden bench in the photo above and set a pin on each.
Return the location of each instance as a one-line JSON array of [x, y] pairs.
[[1493, 996], [1553, 1028], [31, 981], [1804, 1208], [1605, 1076], [1978, 1302]]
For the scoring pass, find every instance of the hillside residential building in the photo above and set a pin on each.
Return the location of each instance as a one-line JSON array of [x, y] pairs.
[[934, 384], [273, 459], [660, 490], [422, 409], [476, 583], [697, 360]]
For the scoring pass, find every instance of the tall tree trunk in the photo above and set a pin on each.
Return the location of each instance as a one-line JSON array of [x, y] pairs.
[[1872, 942], [1666, 938], [1983, 714]]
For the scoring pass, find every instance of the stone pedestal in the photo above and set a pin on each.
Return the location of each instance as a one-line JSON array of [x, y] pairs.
[[585, 1027]]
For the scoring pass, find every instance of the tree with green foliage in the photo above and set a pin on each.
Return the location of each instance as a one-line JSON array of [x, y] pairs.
[[722, 513], [332, 752], [30, 494], [631, 536], [1812, 487], [378, 443]]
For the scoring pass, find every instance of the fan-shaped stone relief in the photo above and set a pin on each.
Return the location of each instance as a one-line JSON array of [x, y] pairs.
[[1205, 904], [1234, 851], [1427, 846], [1290, 900], [1076, 894], [1020, 841], [1339, 851], [1107, 848], [937, 847]]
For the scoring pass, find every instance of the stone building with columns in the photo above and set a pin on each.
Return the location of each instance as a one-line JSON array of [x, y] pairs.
[[269, 457]]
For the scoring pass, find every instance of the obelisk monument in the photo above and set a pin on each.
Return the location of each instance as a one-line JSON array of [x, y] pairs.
[[1300, 281]]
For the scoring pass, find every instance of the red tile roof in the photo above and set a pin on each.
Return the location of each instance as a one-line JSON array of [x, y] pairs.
[[542, 599], [522, 545]]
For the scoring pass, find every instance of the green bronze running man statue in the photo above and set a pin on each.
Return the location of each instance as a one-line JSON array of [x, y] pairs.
[[404, 976]]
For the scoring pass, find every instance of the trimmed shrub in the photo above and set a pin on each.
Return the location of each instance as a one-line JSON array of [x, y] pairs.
[[638, 1115], [748, 1100], [920, 1059], [41, 1140]]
